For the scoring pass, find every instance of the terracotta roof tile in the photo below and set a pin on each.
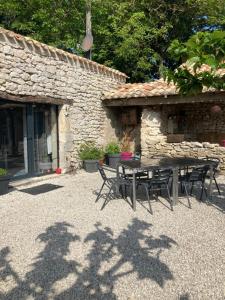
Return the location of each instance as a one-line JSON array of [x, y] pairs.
[[151, 89], [140, 90]]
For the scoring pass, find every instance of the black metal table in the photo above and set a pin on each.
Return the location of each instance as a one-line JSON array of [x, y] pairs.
[[174, 163]]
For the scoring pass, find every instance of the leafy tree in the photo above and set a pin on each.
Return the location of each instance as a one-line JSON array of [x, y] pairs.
[[58, 23], [202, 49], [130, 35], [133, 35]]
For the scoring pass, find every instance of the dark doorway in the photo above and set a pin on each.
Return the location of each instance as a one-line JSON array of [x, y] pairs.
[[13, 148]]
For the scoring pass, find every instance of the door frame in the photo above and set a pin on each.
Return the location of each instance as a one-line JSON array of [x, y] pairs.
[[29, 140]]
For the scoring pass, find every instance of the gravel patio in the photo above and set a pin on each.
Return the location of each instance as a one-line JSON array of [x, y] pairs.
[[60, 245]]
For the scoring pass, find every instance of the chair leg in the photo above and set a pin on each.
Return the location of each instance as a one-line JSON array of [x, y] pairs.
[[149, 202], [107, 197], [218, 189], [201, 192], [100, 192], [125, 191], [171, 187], [160, 191], [186, 191], [168, 192], [192, 185], [182, 187]]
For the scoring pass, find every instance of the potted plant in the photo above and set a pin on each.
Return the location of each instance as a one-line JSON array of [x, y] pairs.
[[112, 151], [126, 154], [4, 181], [90, 154]]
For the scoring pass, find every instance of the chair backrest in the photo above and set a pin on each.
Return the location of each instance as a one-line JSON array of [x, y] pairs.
[[102, 172], [199, 173], [215, 160], [161, 175], [101, 169]]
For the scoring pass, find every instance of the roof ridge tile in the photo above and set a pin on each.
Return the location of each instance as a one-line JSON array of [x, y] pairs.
[[31, 45]]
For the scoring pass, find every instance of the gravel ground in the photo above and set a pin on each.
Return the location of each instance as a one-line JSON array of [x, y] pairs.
[[60, 245]]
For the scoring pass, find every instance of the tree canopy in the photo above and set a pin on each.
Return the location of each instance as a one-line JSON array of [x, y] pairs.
[[204, 58], [130, 35]]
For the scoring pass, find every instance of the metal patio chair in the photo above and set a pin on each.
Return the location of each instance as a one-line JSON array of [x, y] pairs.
[[141, 178], [216, 162], [189, 180], [119, 183], [160, 181], [115, 184]]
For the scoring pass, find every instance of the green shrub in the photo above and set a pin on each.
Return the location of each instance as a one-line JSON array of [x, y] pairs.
[[3, 172], [112, 148], [90, 151]]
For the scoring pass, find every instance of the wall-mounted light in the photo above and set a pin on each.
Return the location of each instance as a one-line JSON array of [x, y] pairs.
[[66, 112]]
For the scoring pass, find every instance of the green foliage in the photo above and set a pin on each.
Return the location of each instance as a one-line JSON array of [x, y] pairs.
[[58, 23], [203, 48], [90, 151], [112, 148], [3, 172], [213, 11], [130, 35]]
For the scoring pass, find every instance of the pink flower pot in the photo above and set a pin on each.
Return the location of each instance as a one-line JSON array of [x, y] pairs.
[[126, 155]]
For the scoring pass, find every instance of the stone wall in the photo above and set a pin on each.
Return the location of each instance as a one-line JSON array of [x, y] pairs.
[[30, 68], [154, 133]]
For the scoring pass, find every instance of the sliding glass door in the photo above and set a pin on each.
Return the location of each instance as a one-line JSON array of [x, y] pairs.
[[13, 142], [28, 138], [42, 139]]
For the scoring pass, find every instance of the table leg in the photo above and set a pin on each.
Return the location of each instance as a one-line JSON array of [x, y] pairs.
[[210, 182], [118, 178], [175, 186], [134, 191]]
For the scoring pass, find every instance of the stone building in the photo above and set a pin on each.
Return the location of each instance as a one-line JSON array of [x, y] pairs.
[[50, 102], [167, 123]]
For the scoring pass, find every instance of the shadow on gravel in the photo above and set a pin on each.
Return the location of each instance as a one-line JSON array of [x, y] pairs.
[[218, 201], [184, 297], [109, 258]]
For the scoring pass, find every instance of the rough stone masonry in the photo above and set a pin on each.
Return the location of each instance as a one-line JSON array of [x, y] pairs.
[[32, 69], [154, 131]]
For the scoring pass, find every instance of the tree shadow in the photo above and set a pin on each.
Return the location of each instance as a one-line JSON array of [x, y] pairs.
[[133, 251], [97, 281], [6, 271], [49, 267]]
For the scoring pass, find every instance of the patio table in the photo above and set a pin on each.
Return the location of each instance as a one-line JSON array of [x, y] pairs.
[[174, 163]]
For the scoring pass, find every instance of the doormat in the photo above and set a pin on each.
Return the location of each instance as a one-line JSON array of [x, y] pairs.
[[41, 189]]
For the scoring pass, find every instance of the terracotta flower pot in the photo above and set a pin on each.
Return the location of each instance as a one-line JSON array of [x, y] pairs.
[[101, 162]]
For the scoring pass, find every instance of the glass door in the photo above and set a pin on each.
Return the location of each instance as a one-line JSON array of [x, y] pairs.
[[13, 138], [45, 143]]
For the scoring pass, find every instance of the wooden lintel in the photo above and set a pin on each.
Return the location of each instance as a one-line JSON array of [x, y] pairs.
[[34, 99], [174, 99]]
